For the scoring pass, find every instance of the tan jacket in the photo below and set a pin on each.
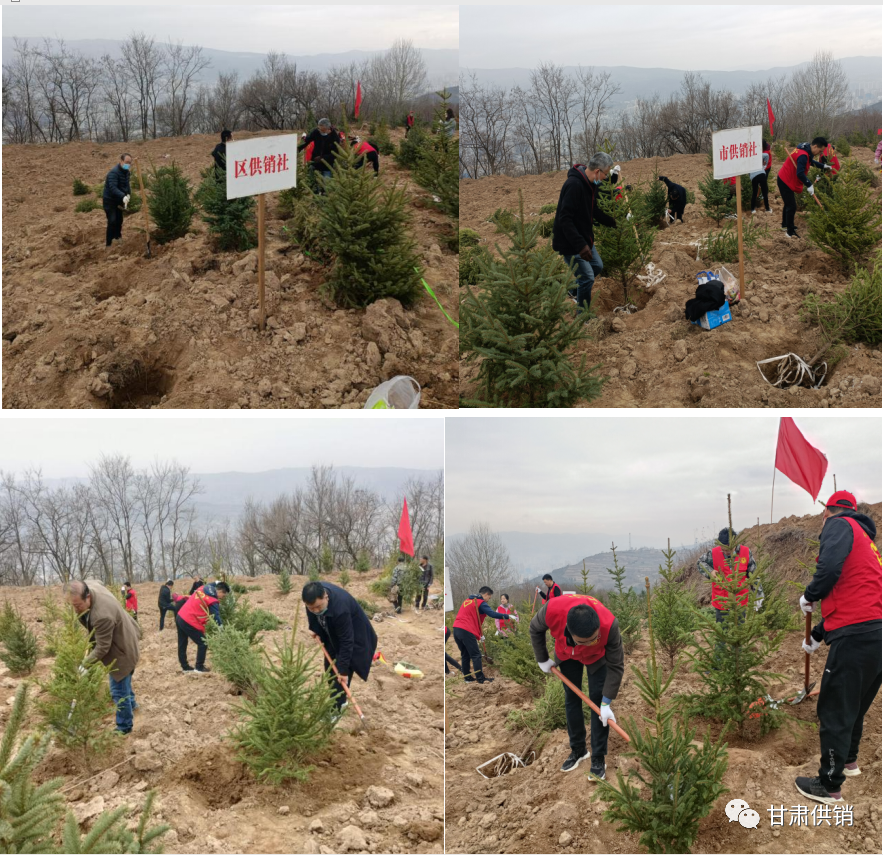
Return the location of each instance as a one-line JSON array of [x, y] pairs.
[[116, 633]]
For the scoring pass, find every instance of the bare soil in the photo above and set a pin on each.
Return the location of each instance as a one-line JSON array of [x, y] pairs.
[[89, 328], [718, 367], [211, 800], [527, 810]]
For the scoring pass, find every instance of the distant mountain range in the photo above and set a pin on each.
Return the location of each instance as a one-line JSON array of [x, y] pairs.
[[441, 64], [637, 563], [862, 72]]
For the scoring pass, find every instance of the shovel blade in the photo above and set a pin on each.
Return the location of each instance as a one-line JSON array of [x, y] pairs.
[[802, 694]]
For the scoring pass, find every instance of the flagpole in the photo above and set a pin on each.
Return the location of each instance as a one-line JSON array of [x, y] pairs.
[[772, 494]]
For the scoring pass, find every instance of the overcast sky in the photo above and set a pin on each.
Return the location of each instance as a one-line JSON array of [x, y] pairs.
[[65, 447], [294, 30], [659, 477], [712, 37]]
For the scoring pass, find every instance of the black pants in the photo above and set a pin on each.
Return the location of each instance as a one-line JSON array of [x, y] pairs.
[[470, 655], [374, 160], [162, 615], [114, 222], [790, 206], [573, 707], [425, 595], [337, 691], [849, 685], [759, 182], [399, 602], [677, 208], [190, 633]]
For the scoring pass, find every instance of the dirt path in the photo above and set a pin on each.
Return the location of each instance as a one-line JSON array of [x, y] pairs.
[[210, 799], [87, 328], [717, 369]]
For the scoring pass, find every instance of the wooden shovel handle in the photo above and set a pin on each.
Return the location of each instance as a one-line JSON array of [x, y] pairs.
[[586, 701]]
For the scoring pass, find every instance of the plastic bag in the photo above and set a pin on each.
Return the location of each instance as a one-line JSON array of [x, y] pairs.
[[399, 393]]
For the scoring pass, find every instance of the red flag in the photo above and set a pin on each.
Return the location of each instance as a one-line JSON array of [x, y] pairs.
[[796, 458], [406, 539], [769, 112], [358, 97]]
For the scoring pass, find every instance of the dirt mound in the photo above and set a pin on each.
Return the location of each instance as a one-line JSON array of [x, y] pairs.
[[209, 797], [641, 352], [93, 328], [527, 810]]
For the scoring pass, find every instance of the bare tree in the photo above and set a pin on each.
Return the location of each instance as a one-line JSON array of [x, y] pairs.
[[183, 66], [485, 120], [476, 559], [113, 483], [144, 60]]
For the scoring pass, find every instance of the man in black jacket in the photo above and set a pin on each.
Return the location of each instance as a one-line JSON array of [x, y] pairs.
[[325, 140], [340, 624], [425, 581], [115, 198], [677, 199], [219, 154], [847, 586], [165, 602], [572, 231]]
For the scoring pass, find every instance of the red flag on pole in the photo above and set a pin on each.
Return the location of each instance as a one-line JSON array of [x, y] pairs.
[[769, 112], [358, 97], [406, 539], [796, 458]]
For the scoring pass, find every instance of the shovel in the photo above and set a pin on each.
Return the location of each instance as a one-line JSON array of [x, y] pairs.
[[807, 686], [342, 682], [586, 701]]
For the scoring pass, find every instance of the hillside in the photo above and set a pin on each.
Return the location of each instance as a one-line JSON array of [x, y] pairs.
[[210, 799], [638, 563], [656, 358], [88, 328]]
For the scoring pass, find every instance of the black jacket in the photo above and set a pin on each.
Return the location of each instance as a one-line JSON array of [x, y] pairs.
[[709, 297], [835, 544], [197, 584], [803, 161], [165, 597], [554, 591], [346, 632], [577, 209], [677, 195], [219, 153], [325, 148], [428, 575], [116, 185]]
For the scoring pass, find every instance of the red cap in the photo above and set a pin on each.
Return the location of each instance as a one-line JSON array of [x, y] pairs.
[[842, 499]]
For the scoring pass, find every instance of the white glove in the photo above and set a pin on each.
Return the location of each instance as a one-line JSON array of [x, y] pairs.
[[813, 645], [811, 190], [547, 666], [81, 671], [514, 617], [606, 714], [805, 605], [758, 604], [828, 167], [628, 216], [538, 590], [482, 638], [126, 201]]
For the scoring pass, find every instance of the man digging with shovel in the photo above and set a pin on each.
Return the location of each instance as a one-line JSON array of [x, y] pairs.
[[847, 582], [585, 634]]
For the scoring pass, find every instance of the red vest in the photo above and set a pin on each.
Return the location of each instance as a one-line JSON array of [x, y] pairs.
[[410, 120], [364, 148], [195, 610], [788, 172], [855, 598], [132, 601], [501, 624], [468, 617], [719, 594], [556, 620], [308, 152], [834, 164]]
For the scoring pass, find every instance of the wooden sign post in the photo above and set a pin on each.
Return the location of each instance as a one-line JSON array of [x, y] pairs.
[[256, 167], [737, 152]]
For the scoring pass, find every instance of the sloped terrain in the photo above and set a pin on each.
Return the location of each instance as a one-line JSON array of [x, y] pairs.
[[89, 328], [210, 799], [526, 811], [655, 357]]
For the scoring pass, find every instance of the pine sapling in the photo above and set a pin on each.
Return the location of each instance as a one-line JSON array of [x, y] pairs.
[[284, 582], [326, 559], [231, 222], [363, 561], [170, 203], [343, 578], [674, 783], [584, 587], [235, 655], [438, 163], [625, 604], [19, 649], [673, 612], [717, 202]]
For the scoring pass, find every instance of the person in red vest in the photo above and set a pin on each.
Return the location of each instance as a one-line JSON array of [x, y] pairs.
[[830, 159], [131, 599], [409, 122], [793, 177], [715, 564], [368, 153], [504, 609], [467, 632], [191, 620], [847, 584], [552, 588], [586, 634], [308, 151]]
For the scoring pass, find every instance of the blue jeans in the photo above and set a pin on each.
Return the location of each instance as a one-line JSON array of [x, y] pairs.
[[124, 698], [585, 273]]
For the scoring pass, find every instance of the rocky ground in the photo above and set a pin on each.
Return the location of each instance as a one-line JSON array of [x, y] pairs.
[[374, 790], [89, 328], [656, 358], [540, 809]]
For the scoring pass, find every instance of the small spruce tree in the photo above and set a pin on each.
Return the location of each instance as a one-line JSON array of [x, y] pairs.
[[520, 330], [284, 582], [377, 257], [654, 200], [19, 645], [326, 559], [344, 578], [584, 587], [410, 148], [625, 604], [231, 222], [716, 199], [170, 203], [363, 561], [80, 188], [236, 656], [438, 164], [674, 783], [673, 610], [290, 720]]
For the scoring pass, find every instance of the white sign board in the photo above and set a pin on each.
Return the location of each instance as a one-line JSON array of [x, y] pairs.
[[449, 597], [261, 165], [737, 151]]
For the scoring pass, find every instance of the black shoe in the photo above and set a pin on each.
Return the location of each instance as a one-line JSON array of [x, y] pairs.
[[202, 669], [469, 679], [812, 788], [186, 670], [599, 768], [486, 680], [573, 761]]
